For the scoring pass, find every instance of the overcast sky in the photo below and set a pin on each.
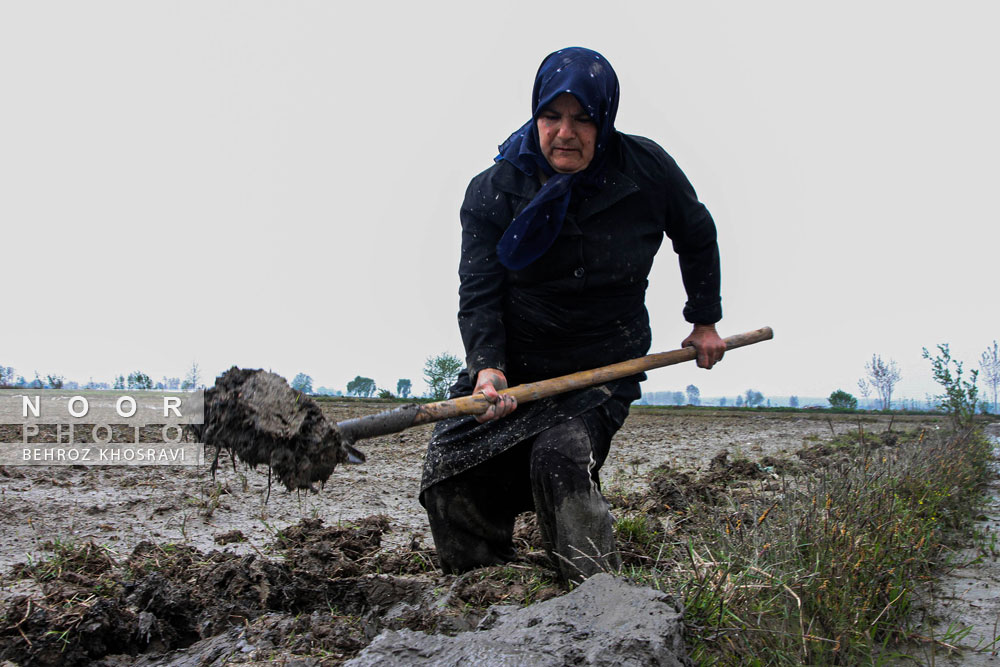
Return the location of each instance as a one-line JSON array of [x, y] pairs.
[[277, 184]]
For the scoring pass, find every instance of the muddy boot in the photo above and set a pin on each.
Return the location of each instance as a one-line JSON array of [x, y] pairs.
[[573, 517]]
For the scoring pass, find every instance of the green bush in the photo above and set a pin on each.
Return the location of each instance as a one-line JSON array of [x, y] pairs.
[[841, 399]]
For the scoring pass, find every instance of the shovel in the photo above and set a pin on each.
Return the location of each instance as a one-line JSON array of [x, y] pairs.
[[256, 416], [394, 421]]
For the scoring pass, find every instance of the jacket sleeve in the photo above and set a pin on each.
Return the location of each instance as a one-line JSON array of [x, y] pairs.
[[692, 232], [483, 282]]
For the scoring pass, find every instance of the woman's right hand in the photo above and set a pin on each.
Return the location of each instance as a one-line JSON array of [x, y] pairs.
[[488, 383]]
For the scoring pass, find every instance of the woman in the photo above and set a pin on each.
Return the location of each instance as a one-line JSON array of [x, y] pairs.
[[558, 238]]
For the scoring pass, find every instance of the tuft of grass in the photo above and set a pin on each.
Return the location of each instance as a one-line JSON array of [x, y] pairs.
[[639, 529], [640, 539], [67, 557]]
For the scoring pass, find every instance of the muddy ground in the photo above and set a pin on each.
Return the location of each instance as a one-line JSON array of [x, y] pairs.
[[144, 560], [965, 609]]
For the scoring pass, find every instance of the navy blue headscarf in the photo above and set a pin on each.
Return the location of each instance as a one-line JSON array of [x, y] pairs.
[[588, 77]]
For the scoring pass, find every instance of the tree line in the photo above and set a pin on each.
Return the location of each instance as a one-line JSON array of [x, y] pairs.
[[134, 381], [691, 395], [440, 372], [961, 390], [880, 378]]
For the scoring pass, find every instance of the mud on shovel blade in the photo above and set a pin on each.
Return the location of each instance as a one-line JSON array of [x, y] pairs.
[[400, 419], [260, 420]]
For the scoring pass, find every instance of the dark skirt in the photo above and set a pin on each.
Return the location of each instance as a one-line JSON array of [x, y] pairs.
[[461, 443]]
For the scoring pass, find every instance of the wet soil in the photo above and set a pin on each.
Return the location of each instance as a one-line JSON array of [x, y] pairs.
[[963, 609], [89, 606], [604, 622], [134, 562]]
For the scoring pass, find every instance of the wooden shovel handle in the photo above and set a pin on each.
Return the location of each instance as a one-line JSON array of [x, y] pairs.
[[477, 403], [393, 421]]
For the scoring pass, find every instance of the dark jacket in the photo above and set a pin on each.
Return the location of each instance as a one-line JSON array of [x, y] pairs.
[[582, 304], [579, 306]]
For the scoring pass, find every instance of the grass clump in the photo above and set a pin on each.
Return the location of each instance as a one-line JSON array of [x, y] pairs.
[[823, 568], [76, 560], [640, 540]]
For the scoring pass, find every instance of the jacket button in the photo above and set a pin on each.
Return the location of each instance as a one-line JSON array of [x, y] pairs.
[[578, 273]]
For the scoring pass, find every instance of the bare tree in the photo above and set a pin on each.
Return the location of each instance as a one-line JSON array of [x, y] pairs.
[[865, 390], [192, 378], [883, 376], [989, 365]]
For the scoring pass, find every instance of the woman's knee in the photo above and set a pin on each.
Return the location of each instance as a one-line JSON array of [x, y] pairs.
[[562, 457]]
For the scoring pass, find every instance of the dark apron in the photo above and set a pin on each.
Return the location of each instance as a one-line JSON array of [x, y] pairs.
[[461, 443]]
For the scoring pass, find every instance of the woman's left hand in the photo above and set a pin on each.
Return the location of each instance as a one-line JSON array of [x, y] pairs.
[[707, 342]]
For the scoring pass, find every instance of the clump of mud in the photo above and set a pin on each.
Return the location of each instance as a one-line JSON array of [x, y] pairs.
[[669, 492], [841, 449], [674, 491], [527, 535], [605, 621], [815, 454], [259, 419], [327, 583], [782, 465], [721, 469]]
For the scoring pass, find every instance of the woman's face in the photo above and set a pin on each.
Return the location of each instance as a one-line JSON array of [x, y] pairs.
[[567, 135]]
